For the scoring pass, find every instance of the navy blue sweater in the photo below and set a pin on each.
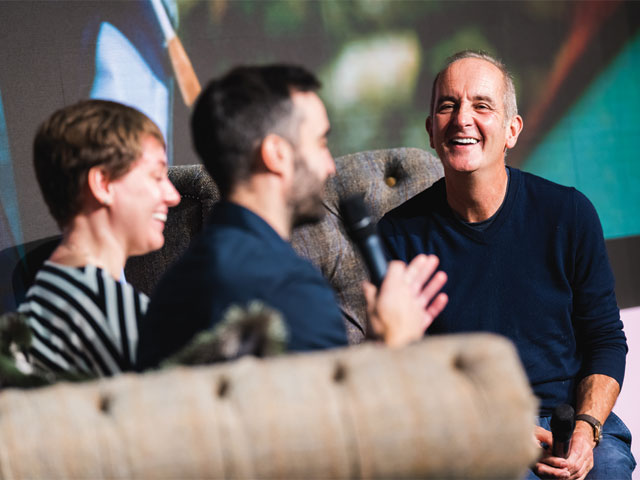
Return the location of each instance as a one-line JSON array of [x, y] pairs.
[[539, 275]]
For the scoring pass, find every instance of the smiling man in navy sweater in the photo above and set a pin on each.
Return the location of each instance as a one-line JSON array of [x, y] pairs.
[[526, 259]]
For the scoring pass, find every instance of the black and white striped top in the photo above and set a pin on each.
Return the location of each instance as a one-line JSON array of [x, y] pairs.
[[82, 320]]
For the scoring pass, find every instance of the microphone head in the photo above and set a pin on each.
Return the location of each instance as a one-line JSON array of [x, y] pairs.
[[563, 422], [356, 216]]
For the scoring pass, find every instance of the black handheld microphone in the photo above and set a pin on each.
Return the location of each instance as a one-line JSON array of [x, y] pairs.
[[362, 231], [563, 422]]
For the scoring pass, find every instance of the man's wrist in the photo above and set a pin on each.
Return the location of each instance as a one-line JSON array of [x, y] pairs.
[[584, 431], [590, 426]]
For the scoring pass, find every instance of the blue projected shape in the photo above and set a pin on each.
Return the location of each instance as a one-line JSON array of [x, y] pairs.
[[594, 147], [123, 75], [8, 197]]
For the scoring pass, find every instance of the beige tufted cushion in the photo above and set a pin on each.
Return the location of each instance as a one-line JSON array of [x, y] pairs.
[[388, 178], [442, 408]]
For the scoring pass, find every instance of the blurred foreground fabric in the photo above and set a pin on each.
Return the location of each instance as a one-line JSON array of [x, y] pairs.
[[447, 407]]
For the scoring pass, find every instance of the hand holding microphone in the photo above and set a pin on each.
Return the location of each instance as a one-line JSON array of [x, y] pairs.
[[562, 459], [406, 299], [563, 422]]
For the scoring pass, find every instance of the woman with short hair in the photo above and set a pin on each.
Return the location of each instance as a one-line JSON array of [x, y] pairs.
[[102, 169]]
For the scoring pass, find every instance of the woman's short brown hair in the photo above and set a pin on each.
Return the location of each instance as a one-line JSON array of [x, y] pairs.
[[79, 137]]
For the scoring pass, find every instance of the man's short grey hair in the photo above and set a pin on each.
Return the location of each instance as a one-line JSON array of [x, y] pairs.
[[510, 103]]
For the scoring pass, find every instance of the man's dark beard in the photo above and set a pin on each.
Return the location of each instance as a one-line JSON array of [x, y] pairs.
[[307, 200], [310, 211]]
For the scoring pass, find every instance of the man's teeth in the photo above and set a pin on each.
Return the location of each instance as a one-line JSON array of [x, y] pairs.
[[160, 216], [464, 141]]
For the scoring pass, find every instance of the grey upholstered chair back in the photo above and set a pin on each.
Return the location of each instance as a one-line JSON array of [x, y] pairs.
[[387, 178], [198, 195]]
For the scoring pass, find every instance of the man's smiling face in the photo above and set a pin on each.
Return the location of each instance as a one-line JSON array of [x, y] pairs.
[[469, 128]]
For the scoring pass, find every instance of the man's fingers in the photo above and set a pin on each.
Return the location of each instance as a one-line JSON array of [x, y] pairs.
[[582, 471], [370, 292], [543, 435], [421, 269], [552, 467], [436, 307], [580, 467], [396, 271], [580, 460], [546, 471], [431, 289]]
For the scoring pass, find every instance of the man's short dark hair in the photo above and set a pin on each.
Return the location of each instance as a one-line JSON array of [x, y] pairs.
[[78, 137], [234, 113]]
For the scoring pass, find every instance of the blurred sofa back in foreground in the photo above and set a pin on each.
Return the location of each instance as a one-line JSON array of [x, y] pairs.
[[445, 407]]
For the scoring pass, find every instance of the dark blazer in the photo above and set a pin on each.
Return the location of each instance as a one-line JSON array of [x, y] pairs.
[[237, 258]]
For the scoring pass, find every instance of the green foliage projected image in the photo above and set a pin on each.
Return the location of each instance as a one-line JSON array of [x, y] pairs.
[[574, 63], [377, 60]]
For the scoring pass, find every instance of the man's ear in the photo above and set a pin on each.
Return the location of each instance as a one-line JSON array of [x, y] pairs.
[[514, 129], [276, 153], [100, 186], [429, 127]]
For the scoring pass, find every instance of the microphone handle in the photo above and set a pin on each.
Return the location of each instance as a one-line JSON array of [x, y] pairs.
[[374, 258], [562, 424], [560, 448]]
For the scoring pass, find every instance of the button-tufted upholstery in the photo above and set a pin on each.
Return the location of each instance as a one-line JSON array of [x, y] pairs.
[[198, 195], [447, 407], [387, 178]]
